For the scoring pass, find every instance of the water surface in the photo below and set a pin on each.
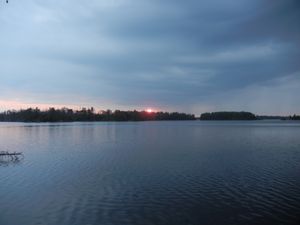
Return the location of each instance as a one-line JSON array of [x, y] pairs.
[[151, 173]]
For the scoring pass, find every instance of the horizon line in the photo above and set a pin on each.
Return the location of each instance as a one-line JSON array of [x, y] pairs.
[[97, 110]]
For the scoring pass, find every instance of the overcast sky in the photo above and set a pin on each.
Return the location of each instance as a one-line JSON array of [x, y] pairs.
[[191, 56]]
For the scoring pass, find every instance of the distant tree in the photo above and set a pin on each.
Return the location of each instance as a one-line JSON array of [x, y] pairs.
[[294, 117]]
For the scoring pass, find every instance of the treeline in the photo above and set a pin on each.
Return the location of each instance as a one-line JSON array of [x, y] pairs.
[[294, 117], [228, 116], [87, 114]]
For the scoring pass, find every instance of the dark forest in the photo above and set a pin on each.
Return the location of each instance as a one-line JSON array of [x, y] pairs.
[[87, 114]]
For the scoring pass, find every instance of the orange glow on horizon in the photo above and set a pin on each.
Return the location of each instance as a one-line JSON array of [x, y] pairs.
[[16, 105]]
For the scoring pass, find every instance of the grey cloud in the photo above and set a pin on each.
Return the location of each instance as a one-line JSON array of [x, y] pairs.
[[175, 54]]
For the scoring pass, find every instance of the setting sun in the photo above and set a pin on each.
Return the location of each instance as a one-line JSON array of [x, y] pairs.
[[149, 110]]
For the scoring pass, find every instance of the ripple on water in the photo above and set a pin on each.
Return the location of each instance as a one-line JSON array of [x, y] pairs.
[[152, 173]]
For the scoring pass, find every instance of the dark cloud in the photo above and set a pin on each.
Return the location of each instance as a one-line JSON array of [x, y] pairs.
[[181, 55]]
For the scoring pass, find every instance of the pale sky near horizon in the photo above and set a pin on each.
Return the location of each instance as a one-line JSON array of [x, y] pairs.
[[190, 56]]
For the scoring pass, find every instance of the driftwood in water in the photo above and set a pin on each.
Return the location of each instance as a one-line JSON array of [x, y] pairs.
[[10, 153], [10, 156]]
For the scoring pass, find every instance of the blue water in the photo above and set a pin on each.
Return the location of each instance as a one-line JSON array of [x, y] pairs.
[[151, 173]]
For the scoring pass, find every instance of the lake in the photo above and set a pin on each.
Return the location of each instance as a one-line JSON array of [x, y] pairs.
[[142, 173]]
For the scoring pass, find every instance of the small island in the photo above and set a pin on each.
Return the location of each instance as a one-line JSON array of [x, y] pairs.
[[232, 115], [228, 116]]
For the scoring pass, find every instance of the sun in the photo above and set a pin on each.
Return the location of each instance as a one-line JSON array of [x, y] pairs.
[[149, 110]]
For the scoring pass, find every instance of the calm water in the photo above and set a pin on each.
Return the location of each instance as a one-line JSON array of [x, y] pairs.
[[151, 173]]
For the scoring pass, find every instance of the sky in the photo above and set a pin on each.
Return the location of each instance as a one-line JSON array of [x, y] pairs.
[[171, 55]]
